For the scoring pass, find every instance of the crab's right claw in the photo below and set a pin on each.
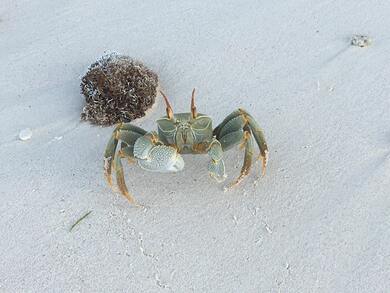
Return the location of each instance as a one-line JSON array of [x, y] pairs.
[[157, 158], [216, 166]]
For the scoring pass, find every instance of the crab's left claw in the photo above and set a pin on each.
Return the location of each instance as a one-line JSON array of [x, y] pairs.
[[217, 170], [216, 166]]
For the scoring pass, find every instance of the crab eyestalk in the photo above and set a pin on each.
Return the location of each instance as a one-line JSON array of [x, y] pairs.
[[193, 107], [168, 106]]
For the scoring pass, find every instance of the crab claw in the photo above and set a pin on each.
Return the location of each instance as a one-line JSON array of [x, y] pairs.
[[162, 158], [216, 166], [217, 170]]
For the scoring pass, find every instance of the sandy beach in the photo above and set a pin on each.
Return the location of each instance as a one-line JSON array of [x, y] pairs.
[[318, 221]]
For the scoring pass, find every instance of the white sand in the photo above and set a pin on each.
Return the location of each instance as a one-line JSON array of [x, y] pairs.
[[318, 222]]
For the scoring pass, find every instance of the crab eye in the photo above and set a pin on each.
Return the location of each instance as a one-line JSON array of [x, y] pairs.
[[201, 123], [166, 125]]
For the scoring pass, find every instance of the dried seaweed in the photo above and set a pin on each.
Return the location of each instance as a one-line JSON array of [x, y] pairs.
[[117, 89]]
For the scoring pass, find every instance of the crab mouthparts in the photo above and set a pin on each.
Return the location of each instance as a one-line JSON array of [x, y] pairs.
[[184, 137]]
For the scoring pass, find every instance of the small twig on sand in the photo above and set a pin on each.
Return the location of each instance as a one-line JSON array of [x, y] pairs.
[[79, 220]]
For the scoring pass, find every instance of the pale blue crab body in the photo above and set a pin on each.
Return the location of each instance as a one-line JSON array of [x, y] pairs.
[[185, 132]]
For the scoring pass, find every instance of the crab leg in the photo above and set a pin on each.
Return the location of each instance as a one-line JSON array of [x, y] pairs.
[[248, 144], [244, 138], [236, 121], [120, 178], [127, 134], [128, 153], [260, 140], [239, 127], [109, 155]]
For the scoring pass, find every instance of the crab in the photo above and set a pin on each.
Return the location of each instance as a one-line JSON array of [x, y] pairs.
[[183, 133]]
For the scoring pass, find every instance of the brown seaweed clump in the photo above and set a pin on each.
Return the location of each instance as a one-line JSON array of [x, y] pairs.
[[117, 89]]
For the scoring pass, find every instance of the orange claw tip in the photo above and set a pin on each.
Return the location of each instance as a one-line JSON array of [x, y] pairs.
[[128, 196], [264, 164], [263, 171], [108, 179], [131, 200]]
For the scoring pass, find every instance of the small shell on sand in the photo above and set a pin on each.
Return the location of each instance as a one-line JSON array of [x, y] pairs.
[[361, 41], [25, 134]]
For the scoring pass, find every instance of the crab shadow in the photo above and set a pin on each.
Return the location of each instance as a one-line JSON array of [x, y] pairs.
[[192, 184]]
